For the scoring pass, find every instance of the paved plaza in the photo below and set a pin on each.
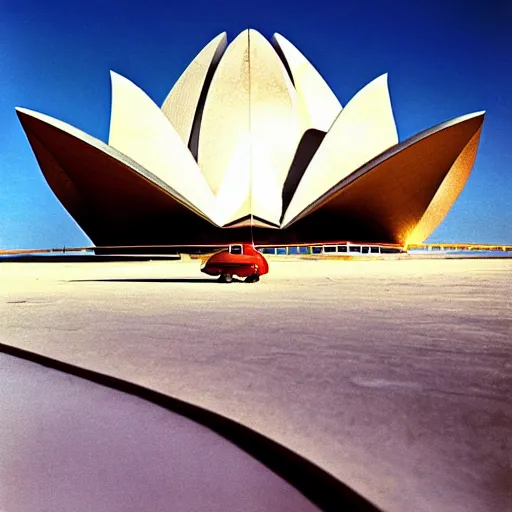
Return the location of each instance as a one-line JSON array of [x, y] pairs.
[[394, 376]]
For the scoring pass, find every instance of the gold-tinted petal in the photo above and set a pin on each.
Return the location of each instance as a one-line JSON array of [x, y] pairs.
[[402, 194]]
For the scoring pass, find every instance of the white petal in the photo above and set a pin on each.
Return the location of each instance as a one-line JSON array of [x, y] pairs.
[[250, 94], [182, 102], [140, 130], [364, 129], [317, 101]]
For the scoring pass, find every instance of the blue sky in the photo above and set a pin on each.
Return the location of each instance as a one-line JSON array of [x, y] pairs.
[[444, 59]]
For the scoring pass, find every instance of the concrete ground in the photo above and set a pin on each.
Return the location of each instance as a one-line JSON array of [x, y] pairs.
[[395, 376]]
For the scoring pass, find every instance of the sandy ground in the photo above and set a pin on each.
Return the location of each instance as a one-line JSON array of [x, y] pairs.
[[395, 376]]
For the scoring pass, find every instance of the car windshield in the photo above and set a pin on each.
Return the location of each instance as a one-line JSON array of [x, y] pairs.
[[235, 249]]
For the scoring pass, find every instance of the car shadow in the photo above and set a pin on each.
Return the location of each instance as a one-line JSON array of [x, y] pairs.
[[152, 280]]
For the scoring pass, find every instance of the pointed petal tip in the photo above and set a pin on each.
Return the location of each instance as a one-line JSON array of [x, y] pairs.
[[381, 82], [382, 78], [114, 75], [24, 112], [480, 114], [256, 33], [28, 112], [220, 36], [244, 33], [116, 78], [467, 117], [279, 38]]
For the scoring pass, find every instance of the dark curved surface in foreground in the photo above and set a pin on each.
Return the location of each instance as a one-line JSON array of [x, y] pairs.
[[73, 439]]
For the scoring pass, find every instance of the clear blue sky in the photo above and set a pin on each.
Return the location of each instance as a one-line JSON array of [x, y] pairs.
[[445, 58]]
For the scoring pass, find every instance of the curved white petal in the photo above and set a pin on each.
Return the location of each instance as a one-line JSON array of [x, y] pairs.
[[275, 130], [317, 102], [111, 152], [182, 102], [225, 122], [251, 96], [364, 129], [140, 130]]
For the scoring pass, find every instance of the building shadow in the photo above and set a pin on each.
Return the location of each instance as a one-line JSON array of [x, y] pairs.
[[153, 280]]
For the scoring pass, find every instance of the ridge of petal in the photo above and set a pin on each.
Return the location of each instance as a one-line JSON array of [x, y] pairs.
[[275, 127], [364, 129], [318, 104], [183, 101], [251, 103], [224, 130], [140, 130]]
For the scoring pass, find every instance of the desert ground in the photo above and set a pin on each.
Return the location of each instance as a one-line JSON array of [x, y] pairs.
[[394, 376]]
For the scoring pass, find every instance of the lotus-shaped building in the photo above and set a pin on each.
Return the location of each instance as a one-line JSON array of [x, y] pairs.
[[252, 145]]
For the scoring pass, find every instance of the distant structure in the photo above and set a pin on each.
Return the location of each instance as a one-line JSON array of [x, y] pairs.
[[251, 144]]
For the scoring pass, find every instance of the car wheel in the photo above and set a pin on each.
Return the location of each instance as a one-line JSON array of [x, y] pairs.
[[225, 278], [253, 278]]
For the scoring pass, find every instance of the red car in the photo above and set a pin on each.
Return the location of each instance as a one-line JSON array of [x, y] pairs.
[[242, 260]]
